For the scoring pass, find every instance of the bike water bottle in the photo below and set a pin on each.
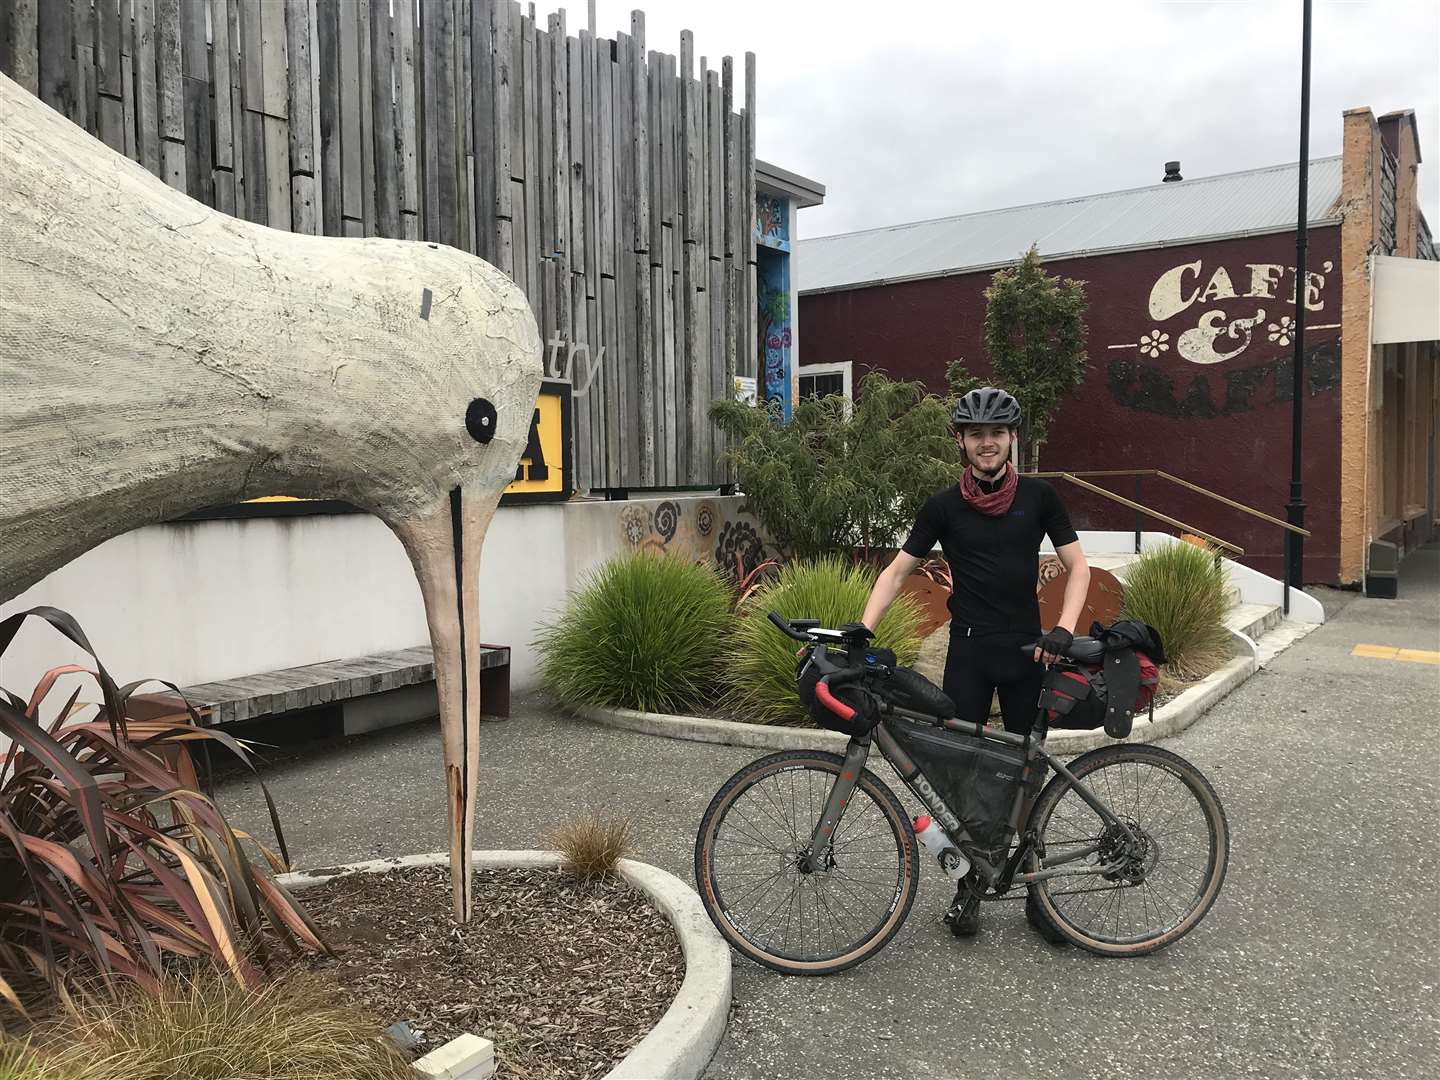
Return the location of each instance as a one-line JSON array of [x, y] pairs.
[[938, 844]]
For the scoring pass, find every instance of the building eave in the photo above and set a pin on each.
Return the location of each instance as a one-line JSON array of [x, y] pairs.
[[777, 181], [1057, 256]]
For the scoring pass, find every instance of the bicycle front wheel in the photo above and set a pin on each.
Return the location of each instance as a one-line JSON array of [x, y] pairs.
[[1161, 887], [772, 909]]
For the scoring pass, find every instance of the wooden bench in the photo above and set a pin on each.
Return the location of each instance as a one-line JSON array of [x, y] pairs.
[[350, 684]]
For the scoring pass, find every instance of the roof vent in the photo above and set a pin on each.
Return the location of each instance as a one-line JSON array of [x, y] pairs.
[[1172, 172]]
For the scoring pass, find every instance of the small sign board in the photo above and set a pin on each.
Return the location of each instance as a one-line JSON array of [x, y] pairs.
[[543, 474]]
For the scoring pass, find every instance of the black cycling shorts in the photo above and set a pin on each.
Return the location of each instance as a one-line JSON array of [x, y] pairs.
[[979, 665]]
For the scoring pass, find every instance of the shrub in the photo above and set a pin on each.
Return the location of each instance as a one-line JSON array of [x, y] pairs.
[[111, 858], [834, 478], [642, 632], [760, 661], [592, 843], [206, 1027], [1181, 590]]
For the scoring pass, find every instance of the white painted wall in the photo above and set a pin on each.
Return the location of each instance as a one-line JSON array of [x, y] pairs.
[[195, 602]]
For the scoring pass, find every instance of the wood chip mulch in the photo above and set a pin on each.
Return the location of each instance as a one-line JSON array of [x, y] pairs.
[[564, 976]]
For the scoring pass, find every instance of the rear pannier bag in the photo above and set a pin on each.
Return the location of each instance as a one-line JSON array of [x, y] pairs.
[[1078, 697], [976, 778]]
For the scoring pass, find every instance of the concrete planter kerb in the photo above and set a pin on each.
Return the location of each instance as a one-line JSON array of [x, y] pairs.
[[678, 1047], [1170, 719]]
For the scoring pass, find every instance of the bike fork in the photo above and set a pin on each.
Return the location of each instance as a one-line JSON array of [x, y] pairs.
[[817, 855]]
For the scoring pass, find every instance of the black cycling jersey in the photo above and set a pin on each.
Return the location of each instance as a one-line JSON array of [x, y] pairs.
[[993, 560]]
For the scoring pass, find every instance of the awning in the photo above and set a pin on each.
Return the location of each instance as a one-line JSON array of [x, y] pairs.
[[1406, 300]]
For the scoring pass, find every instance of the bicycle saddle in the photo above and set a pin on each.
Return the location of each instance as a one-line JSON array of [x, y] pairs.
[[1086, 650]]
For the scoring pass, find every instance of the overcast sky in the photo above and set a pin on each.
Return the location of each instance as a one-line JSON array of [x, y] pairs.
[[916, 110]]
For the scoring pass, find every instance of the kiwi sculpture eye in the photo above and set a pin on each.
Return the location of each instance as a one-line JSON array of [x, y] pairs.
[[480, 420]]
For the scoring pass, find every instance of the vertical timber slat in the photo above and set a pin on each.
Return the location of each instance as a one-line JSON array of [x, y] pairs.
[[382, 118], [20, 44], [195, 88], [304, 207], [331, 63], [147, 119], [408, 131]]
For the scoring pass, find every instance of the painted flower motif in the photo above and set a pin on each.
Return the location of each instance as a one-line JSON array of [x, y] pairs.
[[635, 524], [1282, 331], [1154, 343]]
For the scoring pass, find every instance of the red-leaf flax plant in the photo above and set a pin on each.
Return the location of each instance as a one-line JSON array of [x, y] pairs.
[[114, 860]]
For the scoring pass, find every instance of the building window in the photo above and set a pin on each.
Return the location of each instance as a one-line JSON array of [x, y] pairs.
[[824, 380]]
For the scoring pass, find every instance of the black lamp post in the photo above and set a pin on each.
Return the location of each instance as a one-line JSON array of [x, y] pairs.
[[1295, 509]]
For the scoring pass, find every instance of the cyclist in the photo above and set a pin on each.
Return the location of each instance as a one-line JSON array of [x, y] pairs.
[[990, 527]]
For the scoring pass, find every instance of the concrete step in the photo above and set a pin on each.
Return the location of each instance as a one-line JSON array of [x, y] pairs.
[[1285, 633], [1254, 620]]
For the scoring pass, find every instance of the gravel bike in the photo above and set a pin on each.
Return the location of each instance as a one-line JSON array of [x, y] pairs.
[[807, 862]]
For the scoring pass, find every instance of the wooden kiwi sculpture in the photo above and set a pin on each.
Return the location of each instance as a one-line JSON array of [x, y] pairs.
[[157, 357]]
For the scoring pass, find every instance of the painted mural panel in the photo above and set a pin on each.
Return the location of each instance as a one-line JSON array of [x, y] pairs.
[[772, 221], [720, 530], [776, 333]]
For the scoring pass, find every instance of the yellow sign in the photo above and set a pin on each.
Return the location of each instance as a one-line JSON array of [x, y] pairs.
[[544, 469]]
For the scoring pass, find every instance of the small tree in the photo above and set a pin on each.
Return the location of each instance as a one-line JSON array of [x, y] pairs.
[[835, 479], [1035, 335], [960, 380]]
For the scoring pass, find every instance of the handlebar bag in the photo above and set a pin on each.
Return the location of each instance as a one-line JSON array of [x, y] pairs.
[[850, 710]]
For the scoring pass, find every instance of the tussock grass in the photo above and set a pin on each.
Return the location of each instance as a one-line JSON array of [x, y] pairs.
[[207, 1027], [642, 632], [759, 668], [20, 1061], [1180, 590], [592, 843]]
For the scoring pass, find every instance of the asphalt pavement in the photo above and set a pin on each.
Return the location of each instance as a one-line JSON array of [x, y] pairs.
[[1318, 960]]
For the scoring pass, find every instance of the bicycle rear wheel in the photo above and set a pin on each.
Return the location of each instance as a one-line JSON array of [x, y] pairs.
[[747, 866], [1167, 884]]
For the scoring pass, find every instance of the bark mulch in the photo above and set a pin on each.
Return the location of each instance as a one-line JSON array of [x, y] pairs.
[[565, 976]]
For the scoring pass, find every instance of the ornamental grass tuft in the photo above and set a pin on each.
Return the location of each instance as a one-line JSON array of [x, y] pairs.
[[642, 632], [208, 1027], [759, 667], [1181, 590], [593, 843]]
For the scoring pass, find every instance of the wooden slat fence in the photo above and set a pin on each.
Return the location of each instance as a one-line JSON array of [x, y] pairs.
[[615, 184]]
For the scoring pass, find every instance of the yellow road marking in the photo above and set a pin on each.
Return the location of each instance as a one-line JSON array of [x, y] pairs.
[[1419, 656], [1391, 652]]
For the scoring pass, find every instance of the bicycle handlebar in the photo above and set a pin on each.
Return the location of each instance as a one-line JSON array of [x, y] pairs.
[[785, 628], [810, 630]]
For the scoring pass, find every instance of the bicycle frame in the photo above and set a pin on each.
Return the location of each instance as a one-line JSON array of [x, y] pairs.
[[1000, 878]]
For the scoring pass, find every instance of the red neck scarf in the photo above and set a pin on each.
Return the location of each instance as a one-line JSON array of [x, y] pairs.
[[991, 503]]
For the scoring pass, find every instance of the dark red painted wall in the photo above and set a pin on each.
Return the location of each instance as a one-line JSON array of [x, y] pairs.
[[1222, 424]]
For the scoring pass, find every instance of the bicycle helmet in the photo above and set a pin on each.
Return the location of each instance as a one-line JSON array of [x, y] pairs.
[[987, 405]]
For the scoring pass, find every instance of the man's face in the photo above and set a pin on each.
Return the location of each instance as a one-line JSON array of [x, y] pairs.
[[986, 446]]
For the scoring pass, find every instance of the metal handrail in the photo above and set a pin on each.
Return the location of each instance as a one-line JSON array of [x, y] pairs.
[[1183, 483], [1142, 510]]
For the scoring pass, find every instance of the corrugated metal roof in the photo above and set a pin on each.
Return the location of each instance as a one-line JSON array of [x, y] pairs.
[[1212, 207]]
